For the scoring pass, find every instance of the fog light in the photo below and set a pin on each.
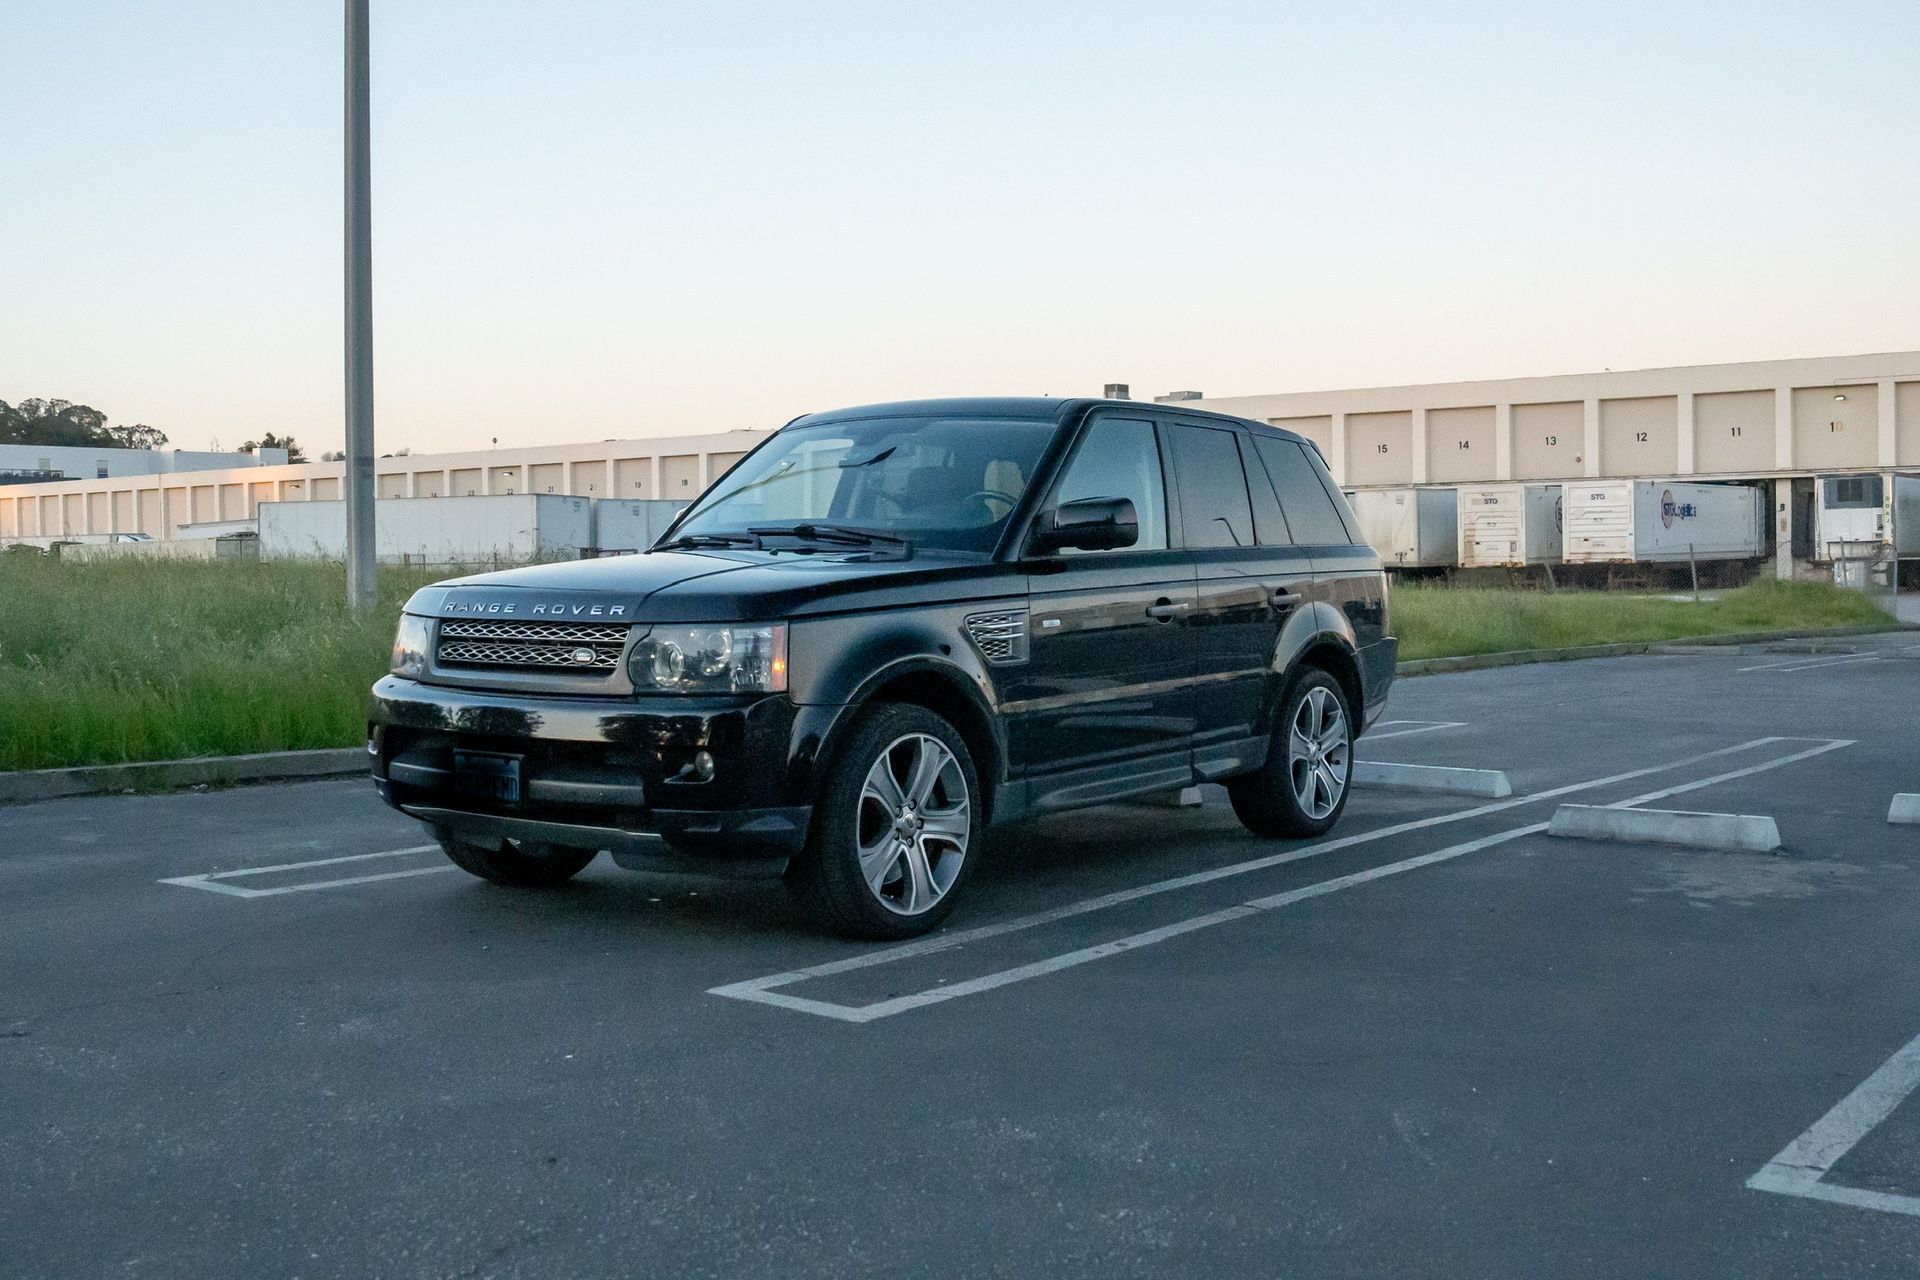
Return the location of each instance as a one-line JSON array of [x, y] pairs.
[[703, 766]]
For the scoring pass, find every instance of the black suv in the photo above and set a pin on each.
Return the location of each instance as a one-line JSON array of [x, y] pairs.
[[887, 627]]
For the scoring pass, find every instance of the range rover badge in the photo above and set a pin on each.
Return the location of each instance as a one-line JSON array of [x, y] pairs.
[[583, 656]]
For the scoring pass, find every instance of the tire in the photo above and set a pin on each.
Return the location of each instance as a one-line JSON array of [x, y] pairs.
[[526, 866], [1302, 789], [888, 862]]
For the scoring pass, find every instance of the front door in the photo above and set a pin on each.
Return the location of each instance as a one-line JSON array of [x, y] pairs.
[[1106, 688]]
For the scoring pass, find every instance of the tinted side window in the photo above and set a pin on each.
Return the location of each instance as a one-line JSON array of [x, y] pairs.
[[1310, 512], [1214, 510], [1119, 459], [1269, 526]]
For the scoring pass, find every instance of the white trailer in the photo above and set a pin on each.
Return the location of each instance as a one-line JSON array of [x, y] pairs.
[[1850, 514], [1509, 524], [497, 529], [632, 524], [1410, 528], [1655, 521], [1906, 515]]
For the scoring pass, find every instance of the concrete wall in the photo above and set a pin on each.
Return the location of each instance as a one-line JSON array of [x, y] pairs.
[[1733, 432], [1547, 440], [1835, 428], [1380, 448], [1460, 444], [1640, 436]]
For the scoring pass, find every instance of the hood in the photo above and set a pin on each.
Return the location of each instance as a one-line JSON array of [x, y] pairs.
[[722, 585]]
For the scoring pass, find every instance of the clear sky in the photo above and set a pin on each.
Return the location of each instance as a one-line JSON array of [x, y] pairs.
[[620, 218]]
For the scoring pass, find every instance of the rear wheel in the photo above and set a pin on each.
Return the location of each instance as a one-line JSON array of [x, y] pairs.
[[1303, 786], [518, 865], [894, 830]]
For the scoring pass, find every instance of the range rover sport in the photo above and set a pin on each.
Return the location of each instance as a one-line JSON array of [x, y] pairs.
[[889, 627]]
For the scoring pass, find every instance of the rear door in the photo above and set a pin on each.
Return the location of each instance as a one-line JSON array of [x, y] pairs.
[[1346, 571], [1232, 629], [1108, 678]]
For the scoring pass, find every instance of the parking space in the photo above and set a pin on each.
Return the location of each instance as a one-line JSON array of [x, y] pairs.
[[1437, 1042]]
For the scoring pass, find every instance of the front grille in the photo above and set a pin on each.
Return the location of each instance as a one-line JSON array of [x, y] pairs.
[[1001, 637], [562, 646]]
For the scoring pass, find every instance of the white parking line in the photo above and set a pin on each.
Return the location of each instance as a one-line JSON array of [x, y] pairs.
[[764, 990], [211, 881], [1801, 664], [1420, 726], [1802, 1166]]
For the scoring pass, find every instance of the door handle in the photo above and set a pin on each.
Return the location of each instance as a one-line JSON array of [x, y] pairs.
[[1165, 610], [1283, 599]]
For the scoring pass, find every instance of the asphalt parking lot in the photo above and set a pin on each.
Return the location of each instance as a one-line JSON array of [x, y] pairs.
[[262, 1032]]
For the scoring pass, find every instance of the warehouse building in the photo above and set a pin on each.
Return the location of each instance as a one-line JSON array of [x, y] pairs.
[[177, 504], [30, 463], [1763, 419], [1804, 430]]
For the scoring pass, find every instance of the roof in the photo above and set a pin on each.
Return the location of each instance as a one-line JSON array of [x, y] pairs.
[[1043, 407]]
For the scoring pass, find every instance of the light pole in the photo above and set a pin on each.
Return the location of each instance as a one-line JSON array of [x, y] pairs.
[[359, 308]]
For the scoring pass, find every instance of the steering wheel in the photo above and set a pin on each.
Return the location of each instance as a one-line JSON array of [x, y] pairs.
[[991, 496]]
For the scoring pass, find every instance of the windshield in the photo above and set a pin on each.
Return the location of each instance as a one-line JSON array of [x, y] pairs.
[[946, 483]]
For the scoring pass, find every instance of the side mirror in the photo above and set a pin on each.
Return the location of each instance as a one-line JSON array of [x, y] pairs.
[[1089, 524]]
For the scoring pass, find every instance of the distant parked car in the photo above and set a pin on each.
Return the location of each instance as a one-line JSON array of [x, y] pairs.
[[885, 628]]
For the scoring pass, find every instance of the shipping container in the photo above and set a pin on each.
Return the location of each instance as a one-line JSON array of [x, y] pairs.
[[1509, 524], [1650, 521], [497, 529], [1410, 528]]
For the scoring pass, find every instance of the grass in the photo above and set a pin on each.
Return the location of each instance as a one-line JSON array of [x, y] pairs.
[[1438, 622], [153, 660]]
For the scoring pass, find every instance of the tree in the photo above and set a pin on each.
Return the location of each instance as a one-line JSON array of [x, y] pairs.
[[64, 423], [271, 441]]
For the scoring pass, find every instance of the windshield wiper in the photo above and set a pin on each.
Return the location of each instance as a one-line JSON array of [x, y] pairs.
[[691, 541], [845, 535]]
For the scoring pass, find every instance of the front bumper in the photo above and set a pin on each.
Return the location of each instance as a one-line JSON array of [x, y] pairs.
[[615, 774]]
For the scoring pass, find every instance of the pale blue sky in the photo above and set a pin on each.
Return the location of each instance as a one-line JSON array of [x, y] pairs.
[[599, 219]]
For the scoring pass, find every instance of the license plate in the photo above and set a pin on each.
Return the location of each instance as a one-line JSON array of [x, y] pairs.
[[486, 776]]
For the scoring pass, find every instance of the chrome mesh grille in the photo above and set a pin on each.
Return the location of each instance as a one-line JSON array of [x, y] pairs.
[[575, 647], [1001, 637]]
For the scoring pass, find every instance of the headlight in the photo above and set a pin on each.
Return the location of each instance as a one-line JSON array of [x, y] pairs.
[[710, 659], [410, 645]]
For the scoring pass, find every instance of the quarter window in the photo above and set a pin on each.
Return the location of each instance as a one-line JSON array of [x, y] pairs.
[[1214, 509], [1309, 509], [1119, 459]]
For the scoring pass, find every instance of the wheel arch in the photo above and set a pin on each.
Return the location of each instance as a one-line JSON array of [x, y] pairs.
[[948, 692], [1321, 637]]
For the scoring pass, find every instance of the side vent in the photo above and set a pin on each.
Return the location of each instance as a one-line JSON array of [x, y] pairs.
[[1001, 636]]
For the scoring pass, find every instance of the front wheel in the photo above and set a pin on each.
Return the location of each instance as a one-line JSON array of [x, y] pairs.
[[894, 828], [1302, 788], [518, 866]]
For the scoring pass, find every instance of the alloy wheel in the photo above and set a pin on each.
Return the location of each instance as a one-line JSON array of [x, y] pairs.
[[914, 824], [1318, 753]]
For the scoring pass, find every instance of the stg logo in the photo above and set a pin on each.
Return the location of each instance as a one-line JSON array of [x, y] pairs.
[[1671, 510]]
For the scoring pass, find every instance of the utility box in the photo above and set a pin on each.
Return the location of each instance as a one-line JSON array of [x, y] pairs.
[[1509, 524], [513, 528], [1410, 528], [1663, 521]]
